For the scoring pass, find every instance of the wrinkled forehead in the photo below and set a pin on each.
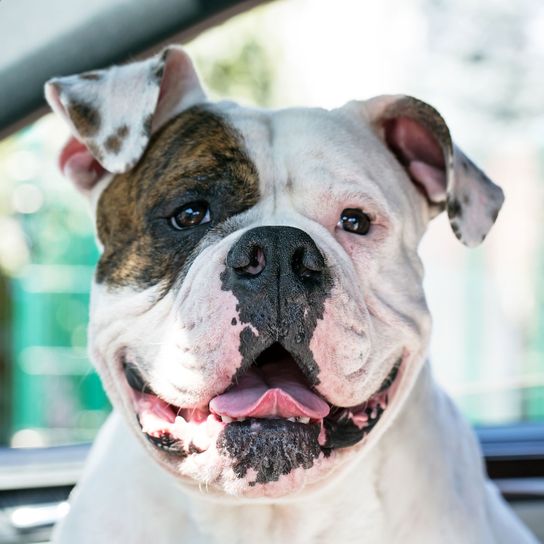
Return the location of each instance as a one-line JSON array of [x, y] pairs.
[[312, 153], [286, 166], [298, 158]]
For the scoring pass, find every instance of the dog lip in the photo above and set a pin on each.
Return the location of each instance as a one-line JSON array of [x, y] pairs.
[[135, 378], [184, 431], [168, 444], [347, 426], [390, 378]]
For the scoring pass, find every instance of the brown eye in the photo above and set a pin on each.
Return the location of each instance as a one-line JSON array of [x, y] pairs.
[[354, 220], [190, 215]]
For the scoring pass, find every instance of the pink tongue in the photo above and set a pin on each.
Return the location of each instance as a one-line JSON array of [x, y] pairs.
[[274, 390]]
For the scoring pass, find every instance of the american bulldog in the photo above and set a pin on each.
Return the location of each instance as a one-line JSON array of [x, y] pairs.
[[258, 318]]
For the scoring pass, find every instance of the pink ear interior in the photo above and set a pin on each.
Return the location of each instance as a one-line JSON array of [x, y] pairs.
[[419, 152], [77, 163], [178, 79]]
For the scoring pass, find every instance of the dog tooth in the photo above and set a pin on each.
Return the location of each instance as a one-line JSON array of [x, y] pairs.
[[226, 419], [291, 419], [304, 419], [241, 419]]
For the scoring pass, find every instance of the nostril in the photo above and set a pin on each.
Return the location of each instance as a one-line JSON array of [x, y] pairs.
[[254, 264], [307, 264], [276, 252], [314, 261]]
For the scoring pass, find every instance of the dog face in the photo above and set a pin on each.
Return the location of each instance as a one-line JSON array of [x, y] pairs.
[[257, 312]]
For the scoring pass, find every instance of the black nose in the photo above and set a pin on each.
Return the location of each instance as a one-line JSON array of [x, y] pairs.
[[263, 254], [281, 282]]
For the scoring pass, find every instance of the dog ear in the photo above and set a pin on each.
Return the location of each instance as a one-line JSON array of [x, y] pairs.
[[113, 112], [420, 140]]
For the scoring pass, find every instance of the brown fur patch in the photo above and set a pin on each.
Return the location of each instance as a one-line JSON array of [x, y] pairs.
[[146, 129], [196, 157], [90, 76], [85, 117], [114, 143], [122, 131], [454, 208]]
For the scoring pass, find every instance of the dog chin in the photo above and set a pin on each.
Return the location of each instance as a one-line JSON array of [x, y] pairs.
[[260, 451], [218, 475]]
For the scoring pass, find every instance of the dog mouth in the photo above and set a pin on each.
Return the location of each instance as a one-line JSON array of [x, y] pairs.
[[273, 396]]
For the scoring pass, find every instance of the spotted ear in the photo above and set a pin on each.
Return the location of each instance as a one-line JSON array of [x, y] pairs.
[[113, 112], [420, 140]]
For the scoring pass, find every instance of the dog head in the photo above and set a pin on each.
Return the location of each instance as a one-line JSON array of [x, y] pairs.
[[257, 312]]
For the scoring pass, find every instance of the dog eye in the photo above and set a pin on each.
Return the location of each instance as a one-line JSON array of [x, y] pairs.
[[190, 215], [354, 220]]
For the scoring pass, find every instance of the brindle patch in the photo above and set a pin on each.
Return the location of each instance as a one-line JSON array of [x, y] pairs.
[[195, 157], [85, 117], [146, 128], [122, 131], [454, 208], [114, 142]]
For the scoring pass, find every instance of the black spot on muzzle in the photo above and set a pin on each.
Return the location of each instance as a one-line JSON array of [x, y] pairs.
[[271, 447], [281, 281]]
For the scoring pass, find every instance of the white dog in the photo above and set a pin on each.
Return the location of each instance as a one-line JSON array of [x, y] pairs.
[[259, 323]]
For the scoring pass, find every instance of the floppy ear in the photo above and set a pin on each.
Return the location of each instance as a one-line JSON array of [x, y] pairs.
[[420, 140], [113, 112]]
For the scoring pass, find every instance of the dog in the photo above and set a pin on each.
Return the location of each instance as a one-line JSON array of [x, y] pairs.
[[258, 319]]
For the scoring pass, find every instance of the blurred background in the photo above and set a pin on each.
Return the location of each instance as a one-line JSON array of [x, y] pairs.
[[479, 63]]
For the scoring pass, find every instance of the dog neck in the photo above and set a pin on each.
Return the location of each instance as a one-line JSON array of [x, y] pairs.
[[410, 465], [424, 469]]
